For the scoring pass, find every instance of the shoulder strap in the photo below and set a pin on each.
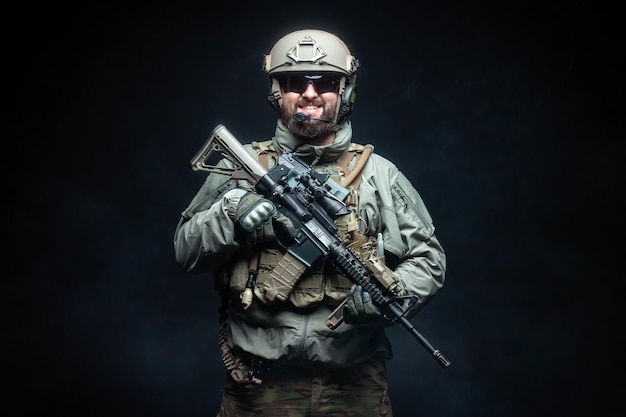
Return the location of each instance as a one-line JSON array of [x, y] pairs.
[[361, 153], [264, 149]]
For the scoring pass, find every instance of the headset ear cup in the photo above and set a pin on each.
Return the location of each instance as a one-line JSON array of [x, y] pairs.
[[349, 96], [347, 102], [272, 101], [273, 98]]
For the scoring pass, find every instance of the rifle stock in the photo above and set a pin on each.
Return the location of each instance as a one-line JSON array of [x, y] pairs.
[[222, 141]]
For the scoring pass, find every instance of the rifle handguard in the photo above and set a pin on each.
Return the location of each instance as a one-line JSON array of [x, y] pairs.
[[383, 274]]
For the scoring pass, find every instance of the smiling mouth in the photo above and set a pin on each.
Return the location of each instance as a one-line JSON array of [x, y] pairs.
[[310, 109]]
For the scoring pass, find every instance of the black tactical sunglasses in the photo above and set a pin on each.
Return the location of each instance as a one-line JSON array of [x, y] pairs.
[[298, 83]]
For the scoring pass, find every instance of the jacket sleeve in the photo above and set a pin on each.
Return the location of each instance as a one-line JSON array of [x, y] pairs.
[[391, 205], [204, 237], [421, 261]]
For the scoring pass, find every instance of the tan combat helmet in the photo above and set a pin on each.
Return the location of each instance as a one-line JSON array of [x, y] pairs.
[[312, 51]]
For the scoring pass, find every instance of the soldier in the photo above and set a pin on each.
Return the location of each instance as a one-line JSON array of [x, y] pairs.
[[282, 353]]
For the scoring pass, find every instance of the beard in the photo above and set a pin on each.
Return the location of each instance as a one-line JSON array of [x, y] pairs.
[[310, 130]]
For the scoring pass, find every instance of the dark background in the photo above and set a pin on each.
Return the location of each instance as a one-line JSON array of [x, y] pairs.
[[508, 118]]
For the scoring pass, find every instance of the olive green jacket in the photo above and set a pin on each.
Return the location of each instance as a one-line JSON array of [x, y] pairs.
[[206, 239]]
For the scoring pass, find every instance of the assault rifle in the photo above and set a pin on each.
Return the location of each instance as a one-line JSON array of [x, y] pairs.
[[311, 200]]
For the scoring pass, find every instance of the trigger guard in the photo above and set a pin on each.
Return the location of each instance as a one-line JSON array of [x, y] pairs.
[[282, 234]]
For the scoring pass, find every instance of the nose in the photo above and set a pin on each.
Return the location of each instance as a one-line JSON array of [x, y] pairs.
[[310, 90]]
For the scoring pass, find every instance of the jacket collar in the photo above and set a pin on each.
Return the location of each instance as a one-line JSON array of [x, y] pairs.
[[284, 141]]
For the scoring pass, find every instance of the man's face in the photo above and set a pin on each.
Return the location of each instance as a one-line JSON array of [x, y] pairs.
[[314, 96]]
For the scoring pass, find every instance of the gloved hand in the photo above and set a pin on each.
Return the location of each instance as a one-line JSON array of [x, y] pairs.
[[253, 212], [258, 217], [360, 309]]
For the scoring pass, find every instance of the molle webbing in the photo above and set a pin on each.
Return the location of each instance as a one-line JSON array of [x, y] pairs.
[[289, 269]]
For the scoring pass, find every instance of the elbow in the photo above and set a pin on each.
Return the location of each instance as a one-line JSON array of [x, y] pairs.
[[185, 256]]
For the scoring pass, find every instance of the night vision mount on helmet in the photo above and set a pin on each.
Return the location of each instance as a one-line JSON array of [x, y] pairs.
[[312, 51]]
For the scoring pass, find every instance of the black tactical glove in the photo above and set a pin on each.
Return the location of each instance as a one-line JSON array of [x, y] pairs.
[[360, 309], [254, 212], [260, 218]]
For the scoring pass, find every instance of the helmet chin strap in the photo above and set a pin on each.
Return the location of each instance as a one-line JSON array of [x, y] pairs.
[[342, 91]]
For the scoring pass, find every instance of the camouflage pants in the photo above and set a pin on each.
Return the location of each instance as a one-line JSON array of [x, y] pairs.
[[296, 392]]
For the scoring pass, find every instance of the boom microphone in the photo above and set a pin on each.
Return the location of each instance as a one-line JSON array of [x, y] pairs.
[[301, 117]]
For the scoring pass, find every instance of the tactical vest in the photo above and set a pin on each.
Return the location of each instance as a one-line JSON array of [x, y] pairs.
[[321, 282]]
